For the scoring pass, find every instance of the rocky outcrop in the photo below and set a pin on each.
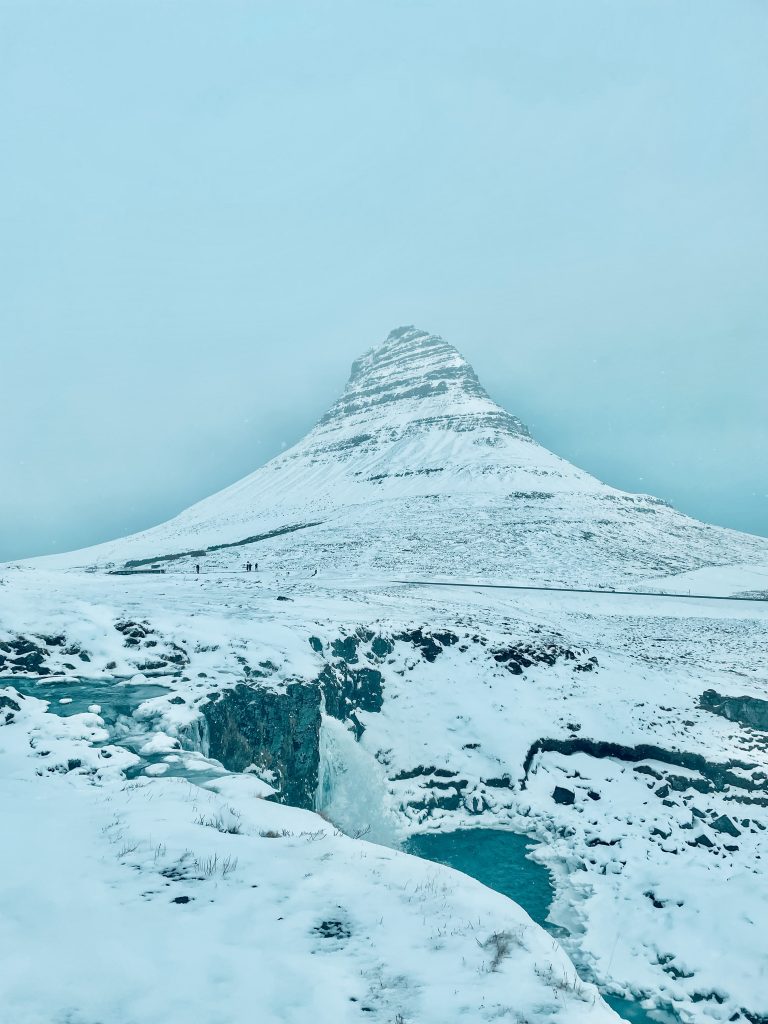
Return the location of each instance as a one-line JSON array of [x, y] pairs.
[[518, 657], [276, 731], [350, 681], [419, 381], [32, 655], [751, 712], [717, 776], [135, 563], [23, 656]]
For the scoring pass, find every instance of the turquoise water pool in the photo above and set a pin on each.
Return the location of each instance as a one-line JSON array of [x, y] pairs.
[[498, 859]]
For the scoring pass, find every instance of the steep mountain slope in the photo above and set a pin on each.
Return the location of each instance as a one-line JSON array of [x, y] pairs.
[[415, 470]]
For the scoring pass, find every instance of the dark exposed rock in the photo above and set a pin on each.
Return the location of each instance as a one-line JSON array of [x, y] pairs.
[[561, 795], [718, 774], [430, 644], [750, 712], [676, 972], [518, 657], [135, 563], [702, 840], [680, 783], [133, 630], [57, 640], [278, 731], [476, 804], [658, 904], [453, 784], [413, 773], [332, 930], [724, 824], [8, 708], [499, 782], [449, 802], [754, 1018], [345, 648], [348, 690], [381, 647], [23, 656]]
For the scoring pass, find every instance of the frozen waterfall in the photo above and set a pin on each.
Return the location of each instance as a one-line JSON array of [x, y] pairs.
[[352, 788]]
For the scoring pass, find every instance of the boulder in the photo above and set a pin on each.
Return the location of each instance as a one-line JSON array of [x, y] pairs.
[[561, 795]]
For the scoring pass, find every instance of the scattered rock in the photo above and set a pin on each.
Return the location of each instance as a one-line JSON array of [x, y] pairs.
[[724, 824], [561, 795], [703, 840], [332, 930]]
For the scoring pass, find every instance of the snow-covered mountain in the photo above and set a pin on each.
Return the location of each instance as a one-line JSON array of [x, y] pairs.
[[415, 470]]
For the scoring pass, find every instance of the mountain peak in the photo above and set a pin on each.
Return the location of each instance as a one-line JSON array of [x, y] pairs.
[[415, 381], [408, 332], [415, 469]]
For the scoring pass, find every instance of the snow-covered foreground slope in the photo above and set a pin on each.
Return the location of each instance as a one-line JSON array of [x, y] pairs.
[[161, 900], [415, 470], [627, 734]]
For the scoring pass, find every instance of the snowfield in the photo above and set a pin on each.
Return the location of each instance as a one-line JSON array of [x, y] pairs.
[[158, 899], [206, 779]]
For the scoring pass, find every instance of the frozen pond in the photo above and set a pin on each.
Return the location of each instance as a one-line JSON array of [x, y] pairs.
[[117, 702], [75, 696], [497, 858]]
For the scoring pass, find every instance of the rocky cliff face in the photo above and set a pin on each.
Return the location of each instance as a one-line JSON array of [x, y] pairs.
[[275, 732], [412, 383]]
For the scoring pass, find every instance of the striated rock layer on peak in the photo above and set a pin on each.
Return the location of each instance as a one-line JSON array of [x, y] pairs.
[[416, 471], [413, 382]]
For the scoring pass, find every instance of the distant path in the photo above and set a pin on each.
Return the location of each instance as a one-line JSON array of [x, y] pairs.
[[583, 590], [448, 583]]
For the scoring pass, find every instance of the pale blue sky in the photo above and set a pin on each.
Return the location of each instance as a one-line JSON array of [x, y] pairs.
[[207, 210]]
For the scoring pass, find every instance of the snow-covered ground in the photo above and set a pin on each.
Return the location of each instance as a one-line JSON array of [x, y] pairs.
[[626, 732], [132, 902], [450, 744]]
